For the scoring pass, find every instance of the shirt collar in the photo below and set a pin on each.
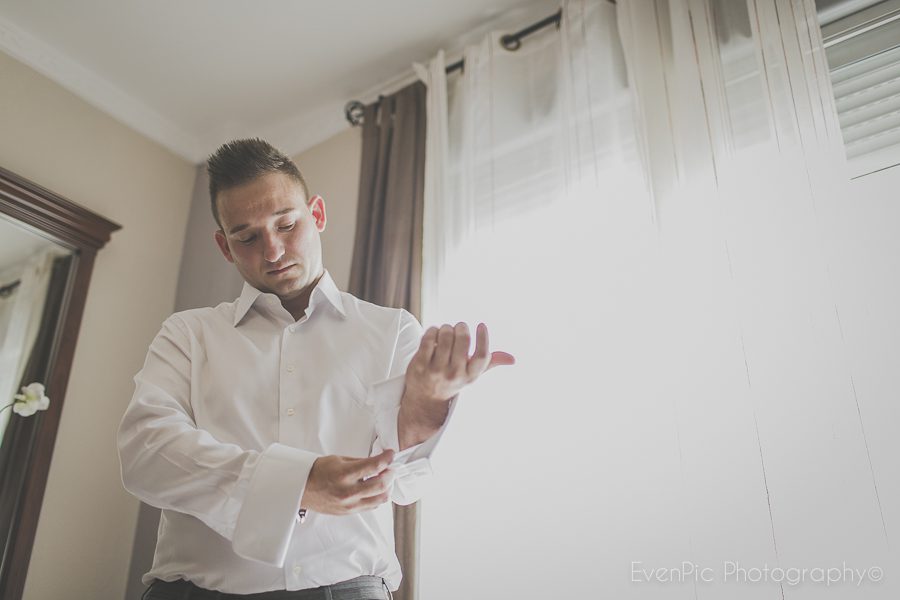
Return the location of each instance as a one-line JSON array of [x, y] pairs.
[[326, 289]]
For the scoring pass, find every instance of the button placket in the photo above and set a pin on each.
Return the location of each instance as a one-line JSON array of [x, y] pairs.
[[289, 369], [287, 387]]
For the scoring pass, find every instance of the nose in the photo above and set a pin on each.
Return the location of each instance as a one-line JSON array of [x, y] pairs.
[[273, 248]]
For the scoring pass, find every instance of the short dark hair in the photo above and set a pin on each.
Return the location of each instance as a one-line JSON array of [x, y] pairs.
[[241, 161]]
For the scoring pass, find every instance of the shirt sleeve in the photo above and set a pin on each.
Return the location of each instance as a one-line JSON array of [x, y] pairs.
[[413, 465], [249, 497]]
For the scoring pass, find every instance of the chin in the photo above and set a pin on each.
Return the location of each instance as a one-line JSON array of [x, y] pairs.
[[287, 289]]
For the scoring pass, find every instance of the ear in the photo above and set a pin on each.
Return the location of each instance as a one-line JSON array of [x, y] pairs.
[[223, 245], [316, 207]]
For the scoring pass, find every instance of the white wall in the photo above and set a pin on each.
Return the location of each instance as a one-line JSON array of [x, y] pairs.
[[87, 521]]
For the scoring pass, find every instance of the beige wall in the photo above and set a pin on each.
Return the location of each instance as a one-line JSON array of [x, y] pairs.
[[87, 522], [331, 170]]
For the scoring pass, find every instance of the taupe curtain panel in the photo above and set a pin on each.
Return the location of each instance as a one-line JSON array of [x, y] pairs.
[[387, 252]]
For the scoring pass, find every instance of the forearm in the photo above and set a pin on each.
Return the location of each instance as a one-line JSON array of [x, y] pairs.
[[419, 419]]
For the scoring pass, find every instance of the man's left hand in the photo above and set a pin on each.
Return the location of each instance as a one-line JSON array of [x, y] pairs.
[[442, 365], [439, 370]]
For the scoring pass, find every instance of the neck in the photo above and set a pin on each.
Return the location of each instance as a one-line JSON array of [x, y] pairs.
[[297, 305]]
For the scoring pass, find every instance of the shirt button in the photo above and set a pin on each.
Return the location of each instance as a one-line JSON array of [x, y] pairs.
[[290, 368], [297, 569], [290, 412], [292, 328]]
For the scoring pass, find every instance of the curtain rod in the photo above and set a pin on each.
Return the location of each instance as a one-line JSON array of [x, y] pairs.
[[513, 41], [353, 110]]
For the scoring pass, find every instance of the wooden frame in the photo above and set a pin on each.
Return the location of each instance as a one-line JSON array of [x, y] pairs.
[[84, 232]]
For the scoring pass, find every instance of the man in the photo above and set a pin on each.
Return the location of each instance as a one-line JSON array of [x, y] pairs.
[[269, 429]]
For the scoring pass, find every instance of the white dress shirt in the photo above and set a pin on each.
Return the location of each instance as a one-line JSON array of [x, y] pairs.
[[231, 409]]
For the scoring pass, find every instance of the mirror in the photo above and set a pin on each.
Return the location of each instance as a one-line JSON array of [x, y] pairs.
[[47, 250], [28, 309]]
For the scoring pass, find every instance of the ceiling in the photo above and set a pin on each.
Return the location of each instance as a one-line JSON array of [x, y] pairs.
[[193, 74]]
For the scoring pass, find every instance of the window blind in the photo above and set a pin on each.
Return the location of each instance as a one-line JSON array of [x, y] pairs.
[[863, 51]]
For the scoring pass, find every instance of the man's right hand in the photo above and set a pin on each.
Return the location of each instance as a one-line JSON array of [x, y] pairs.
[[338, 485]]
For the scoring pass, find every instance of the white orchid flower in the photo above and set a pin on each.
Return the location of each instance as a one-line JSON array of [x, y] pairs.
[[31, 400]]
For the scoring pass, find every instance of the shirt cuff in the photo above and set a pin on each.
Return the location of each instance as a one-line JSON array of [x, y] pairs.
[[412, 466], [269, 511], [384, 397]]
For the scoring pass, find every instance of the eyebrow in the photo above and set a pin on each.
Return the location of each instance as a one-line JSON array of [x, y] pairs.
[[238, 228]]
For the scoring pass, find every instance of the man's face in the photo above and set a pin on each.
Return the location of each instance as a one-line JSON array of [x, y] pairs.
[[271, 234]]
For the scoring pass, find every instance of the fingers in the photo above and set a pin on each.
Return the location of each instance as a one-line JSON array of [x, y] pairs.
[[339, 485], [423, 356], [444, 346], [366, 467], [480, 359], [443, 356], [372, 501], [451, 351], [459, 356], [501, 359], [375, 484], [371, 492]]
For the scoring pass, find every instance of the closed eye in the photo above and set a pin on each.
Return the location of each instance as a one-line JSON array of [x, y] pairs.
[[249, 240]]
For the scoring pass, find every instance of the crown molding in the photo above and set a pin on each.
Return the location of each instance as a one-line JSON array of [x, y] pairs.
[[292, 135], [97, 91]]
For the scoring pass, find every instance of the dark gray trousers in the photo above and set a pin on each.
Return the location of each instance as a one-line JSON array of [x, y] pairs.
[[365, 587]]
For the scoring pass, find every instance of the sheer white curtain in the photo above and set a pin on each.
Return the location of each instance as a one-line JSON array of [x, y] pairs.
[[657, 245], [775, 421], [20, 319], [543, 229]]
